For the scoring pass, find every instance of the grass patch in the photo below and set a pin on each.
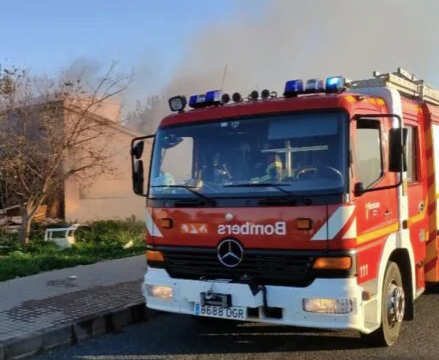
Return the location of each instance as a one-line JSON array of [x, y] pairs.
[[102, 240]]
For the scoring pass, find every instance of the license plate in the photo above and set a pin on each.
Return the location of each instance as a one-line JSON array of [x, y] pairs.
[[237, 313]]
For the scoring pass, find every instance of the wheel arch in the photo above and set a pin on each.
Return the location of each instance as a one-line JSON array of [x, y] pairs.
[[402, 258], [398, 249]]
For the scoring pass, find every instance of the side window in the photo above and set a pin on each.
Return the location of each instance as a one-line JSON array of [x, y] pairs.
[[369, 154], [411, 154]]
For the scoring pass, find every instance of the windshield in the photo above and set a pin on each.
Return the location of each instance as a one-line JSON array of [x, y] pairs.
[[301, 153]]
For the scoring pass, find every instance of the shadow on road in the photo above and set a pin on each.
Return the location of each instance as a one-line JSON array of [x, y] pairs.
[[252, 337], [180, 337], [189, 336]]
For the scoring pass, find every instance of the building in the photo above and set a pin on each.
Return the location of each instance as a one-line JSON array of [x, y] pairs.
[[108, 194]]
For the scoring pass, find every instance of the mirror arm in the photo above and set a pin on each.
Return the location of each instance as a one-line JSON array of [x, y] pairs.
[[387, 187]]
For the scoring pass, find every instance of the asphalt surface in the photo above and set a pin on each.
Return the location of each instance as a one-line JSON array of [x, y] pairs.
[[169, 336]]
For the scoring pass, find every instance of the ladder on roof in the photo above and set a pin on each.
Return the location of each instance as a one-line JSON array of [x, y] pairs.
[[403, 81]]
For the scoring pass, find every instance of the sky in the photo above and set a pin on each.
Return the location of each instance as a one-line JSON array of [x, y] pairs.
[[149, 36], [182, 46]]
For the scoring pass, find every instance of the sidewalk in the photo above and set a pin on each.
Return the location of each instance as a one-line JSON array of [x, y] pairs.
[[64, 306]]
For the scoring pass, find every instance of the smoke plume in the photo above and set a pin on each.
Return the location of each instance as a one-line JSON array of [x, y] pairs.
[[313, 38]]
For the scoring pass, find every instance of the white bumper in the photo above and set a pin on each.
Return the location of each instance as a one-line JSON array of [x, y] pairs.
[[289, 299]]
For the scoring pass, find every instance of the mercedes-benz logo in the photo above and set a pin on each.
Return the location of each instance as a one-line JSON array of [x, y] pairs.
[[230, 253]]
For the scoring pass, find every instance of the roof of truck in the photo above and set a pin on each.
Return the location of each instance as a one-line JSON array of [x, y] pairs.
[[277, 105]]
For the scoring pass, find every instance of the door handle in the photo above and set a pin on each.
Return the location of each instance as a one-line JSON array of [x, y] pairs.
[[387, 213]]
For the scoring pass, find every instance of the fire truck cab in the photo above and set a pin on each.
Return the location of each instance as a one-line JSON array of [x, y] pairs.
[[315, 209]]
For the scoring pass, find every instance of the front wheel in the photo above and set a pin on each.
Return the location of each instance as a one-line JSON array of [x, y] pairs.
[[392, 308]]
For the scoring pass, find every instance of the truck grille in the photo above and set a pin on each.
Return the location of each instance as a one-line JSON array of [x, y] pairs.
[[292, 268]]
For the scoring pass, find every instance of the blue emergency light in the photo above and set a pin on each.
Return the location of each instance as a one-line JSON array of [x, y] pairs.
[[335, 84], [197, 101], [293, 88], [314, 85], [208, 99], [213, 97]]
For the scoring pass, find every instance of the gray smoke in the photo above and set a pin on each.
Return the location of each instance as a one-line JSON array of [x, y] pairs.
[[292, 39], [313, 38]]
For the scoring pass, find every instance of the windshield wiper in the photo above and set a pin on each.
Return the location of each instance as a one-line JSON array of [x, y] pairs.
[[209, 200], [274, 185], [278, 186]]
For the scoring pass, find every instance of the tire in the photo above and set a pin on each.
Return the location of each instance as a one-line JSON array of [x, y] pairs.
[[393, 305]]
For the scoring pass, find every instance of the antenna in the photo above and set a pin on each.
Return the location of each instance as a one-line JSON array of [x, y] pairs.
[[224, 77]]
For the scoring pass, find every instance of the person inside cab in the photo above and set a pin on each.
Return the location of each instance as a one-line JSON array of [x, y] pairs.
[[269, 168], [221, 172]]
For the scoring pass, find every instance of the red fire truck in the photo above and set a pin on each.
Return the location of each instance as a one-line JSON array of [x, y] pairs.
[[316, 208]]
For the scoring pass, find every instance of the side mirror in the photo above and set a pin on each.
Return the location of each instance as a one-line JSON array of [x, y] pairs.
[[137, 170], [137, 150], [359, 189], [138, 179], [397, 159]]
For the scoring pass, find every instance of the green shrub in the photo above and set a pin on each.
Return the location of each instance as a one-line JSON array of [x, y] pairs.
[[101, 240]]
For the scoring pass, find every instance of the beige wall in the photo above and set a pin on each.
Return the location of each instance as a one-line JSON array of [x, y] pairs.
[[109, 109], [107, 196]]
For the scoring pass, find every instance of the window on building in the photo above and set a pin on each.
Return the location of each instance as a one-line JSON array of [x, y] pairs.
[[411, 154], [369, 155]]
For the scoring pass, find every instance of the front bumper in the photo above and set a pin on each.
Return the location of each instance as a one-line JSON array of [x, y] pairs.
[[289, 299]]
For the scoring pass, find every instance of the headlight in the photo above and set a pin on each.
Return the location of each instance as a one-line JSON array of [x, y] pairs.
[[160, 292], [328, 306], [177, 103]]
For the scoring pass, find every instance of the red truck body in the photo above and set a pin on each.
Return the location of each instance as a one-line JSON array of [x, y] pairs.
[[352, 250]]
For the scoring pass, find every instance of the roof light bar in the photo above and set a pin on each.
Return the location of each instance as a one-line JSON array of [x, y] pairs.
[[210, 98], [314, 85], [197, 101], [213, 97], [335, 84], [293, 88]]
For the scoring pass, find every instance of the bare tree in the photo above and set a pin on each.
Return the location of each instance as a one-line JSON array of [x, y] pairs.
[[50, 134], [144, 118]]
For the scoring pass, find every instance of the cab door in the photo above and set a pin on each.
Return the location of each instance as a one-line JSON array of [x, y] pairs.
[[376, 211], [416, 190]]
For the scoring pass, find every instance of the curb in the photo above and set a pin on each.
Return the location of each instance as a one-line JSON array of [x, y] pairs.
[[74, 332]]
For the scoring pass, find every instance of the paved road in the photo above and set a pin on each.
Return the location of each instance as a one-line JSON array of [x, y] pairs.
[[178, 337], [39, 302], [35, 303]]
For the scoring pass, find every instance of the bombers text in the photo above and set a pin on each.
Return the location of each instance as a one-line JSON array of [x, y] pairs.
[[279, 228]]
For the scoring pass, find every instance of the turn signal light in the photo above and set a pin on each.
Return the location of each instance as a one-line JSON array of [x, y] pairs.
[[333, 263], [166, 223], [303, 224], [153, 255]]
